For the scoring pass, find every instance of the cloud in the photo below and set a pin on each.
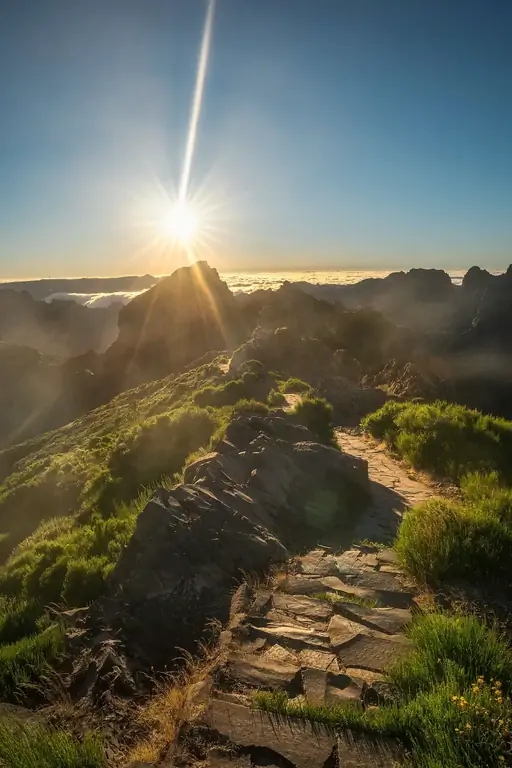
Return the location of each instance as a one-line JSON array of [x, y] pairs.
[[95, 300]]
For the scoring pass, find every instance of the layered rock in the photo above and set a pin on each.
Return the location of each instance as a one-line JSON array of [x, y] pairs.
[[266, 491]]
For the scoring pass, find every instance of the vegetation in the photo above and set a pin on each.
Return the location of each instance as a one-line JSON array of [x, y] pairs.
[[27, 662], [316, 414], [294, 385], [453, 710], [276, 398], [470, 539], [37, 746], [446, 439], [251, 406]]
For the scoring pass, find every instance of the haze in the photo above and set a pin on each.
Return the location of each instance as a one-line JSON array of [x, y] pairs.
[[334, 133]]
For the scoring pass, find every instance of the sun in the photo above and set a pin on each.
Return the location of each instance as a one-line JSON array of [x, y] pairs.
[[181, 223]]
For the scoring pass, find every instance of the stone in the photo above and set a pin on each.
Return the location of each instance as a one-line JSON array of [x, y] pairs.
[[319, 659], [318, 563], [297, 638], [322, 687], [360, 751], [260, 672], [373, 651], [388, 620], [282, 655], [299, 742], [341, 630], [316, 610]]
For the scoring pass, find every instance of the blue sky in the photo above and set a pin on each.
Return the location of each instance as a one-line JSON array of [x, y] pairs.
[[350, 133]]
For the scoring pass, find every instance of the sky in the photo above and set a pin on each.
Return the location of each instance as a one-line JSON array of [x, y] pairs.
[[333, 133]]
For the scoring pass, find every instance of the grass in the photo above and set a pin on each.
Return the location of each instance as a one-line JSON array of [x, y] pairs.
[[453, 709], [471, 539], [160, 717], [446, 439], [294, 385], [26, 664], [37, 746], [334, 597], [317, 415]]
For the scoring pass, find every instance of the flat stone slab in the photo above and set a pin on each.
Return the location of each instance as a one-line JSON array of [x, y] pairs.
[[258, 672], [292, 636], [373, 651], [388, 620], [316, 610], [303, 744], [296, 740], [318, 563], [319, 659], [322, 687], [341, 630]]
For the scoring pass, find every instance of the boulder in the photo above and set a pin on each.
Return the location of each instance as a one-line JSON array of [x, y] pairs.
[[253, 501]]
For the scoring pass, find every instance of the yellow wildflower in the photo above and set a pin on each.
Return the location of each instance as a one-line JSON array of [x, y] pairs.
[[468, 726]]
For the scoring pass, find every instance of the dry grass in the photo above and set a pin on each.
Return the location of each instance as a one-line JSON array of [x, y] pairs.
[[178, 699]]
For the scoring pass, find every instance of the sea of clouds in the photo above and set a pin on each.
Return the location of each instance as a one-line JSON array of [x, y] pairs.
[[246, 282]]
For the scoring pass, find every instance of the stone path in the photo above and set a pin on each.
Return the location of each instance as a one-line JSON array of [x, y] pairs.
[[305, 637], [393, 489], [323, 634]]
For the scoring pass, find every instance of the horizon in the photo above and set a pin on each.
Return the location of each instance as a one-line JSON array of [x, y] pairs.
[[313, 135]]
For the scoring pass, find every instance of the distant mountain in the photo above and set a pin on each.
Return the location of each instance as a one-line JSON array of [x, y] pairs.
[[61, 328], [42, 289]]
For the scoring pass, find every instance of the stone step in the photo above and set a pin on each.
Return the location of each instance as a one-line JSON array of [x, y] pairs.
[[303, 744], [322, 687], [298, 638], [388, 620], [304, 585], [258, 672]]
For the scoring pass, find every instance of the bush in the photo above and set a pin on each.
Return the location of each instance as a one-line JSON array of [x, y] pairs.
[[229, 393], [38, 746], [446, 439], [454, 649], [472, 539], [160, 446], [276, 398], [316, 414], [251, 406], [294, 385]]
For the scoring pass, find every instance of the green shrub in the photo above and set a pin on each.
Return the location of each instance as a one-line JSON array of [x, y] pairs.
[[276, 398], [294, 385], [27, 662], [316, 414], [251, 406], [38, 746], [160, 446], [455, 649], [85, 580], [18, 619], [229, 393], [442, 540], [446, 439]]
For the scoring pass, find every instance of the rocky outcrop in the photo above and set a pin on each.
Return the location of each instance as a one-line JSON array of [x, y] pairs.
[[266, 491], [181, 318]]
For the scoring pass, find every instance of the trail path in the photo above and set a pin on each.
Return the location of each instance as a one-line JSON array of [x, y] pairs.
[[393, 489]]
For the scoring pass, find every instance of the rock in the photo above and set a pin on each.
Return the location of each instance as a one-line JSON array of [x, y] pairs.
[[249, 505], [295, 637], [388, 620], [177, 321], [305, 607], [300, 743], [322, 687], [341, 630], [258, 672], [372, 651]]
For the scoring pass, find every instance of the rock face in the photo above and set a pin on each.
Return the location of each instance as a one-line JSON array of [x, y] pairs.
[[266, 490], [177, 321]]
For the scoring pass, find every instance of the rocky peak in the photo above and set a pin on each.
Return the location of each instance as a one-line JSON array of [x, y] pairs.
[[177, 321]]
